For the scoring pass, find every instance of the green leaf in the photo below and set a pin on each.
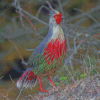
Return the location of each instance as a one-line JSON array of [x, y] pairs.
[[93, 72], [63, 78], [56, 83], [66, 82], [83, 75]]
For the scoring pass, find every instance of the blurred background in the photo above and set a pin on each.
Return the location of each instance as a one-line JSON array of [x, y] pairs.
[[82, 33]]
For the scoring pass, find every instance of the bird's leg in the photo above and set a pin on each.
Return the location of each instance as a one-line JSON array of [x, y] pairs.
[[50, 80], [41, 89]]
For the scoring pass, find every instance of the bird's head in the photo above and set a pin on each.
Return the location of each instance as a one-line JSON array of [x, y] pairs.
[[55, 17]]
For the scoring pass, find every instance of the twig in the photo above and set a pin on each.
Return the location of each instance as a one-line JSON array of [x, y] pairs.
[[19, 94], [82, 15], [59, 2], [40, 10], [85, 85], [3, 12], [4, 96], [88, 15], [28, 21], [25, 63], [70, 75], [30, 24], [17, 50], [49, 5], [74, 89], [15, 2], [87, 38], [30, 49], [31, 15], [12, 80], [1, 77], [27, 97]]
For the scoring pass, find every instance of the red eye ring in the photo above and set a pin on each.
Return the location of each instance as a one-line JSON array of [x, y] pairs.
[[58, 18], [58, 15], [55, 16]]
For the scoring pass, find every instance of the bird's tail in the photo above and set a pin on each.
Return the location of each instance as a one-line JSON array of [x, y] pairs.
[[27, 79]]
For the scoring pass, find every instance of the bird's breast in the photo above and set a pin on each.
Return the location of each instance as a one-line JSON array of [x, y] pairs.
[[55, 50]]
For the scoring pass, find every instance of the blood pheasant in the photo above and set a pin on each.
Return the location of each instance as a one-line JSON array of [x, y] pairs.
[[48, 55]]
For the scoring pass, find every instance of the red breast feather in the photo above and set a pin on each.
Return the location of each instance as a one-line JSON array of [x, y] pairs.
[[55, 50]]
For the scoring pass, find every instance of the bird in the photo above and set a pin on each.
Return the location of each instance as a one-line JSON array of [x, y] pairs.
[[47, 57]]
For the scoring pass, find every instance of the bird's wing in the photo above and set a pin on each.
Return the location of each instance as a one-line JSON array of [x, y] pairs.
[[37, 57]]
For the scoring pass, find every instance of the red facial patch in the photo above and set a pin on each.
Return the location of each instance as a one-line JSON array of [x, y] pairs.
[[58, 18], [55, 49]]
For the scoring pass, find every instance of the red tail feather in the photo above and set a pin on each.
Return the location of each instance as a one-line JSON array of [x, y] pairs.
[[27, 79]]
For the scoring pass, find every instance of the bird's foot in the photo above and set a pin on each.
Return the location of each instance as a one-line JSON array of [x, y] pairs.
[[40, 84], [43, 90]]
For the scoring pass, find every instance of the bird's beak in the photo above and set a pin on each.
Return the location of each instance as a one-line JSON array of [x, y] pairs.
[[62, 17]]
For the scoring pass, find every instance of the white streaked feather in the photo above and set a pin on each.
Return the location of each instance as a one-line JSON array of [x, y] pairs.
[[24, 83]]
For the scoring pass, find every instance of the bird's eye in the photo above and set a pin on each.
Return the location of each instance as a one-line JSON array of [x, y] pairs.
[[58, 16], [55, 16]]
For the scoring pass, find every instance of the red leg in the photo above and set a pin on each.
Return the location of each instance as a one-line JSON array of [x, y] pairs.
[[50, 80], [41, 89]]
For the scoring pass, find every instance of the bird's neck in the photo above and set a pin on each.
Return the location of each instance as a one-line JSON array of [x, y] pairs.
[[56, 31]]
